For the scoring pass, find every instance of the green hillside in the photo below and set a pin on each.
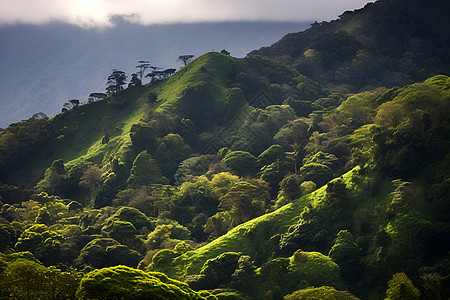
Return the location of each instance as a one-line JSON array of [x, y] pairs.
[[239, 179], [387, 43]]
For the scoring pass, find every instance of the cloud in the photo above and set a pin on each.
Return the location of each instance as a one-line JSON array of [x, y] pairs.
[[99, 12]]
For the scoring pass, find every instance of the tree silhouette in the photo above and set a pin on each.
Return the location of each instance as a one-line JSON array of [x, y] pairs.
[[96, 96], [142, 66], [39, 115], [71, 104], [185, 58], [115, 81], [74, 102], [135, 81]]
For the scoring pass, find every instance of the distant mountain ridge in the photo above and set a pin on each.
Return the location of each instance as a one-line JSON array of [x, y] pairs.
[[386, 43], [44, 66]]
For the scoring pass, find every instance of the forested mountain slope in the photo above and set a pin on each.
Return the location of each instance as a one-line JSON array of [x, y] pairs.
[[44, 66], [232, 179], [387, 43]]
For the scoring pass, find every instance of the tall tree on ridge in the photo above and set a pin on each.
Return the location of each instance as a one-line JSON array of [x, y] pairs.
[[115, 81]]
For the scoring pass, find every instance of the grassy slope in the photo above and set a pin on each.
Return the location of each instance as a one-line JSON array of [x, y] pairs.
[[79, 132], [215, 75], [86, 142], [253, 237]]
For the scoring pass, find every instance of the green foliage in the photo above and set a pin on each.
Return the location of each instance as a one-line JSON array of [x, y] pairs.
[[290, 189], [127, 283], [134, 216], [44, 243], [318, 173], [171, 151], [327, 159], [310, 90], [143, 137], [412, 127], [150, 200], [270, 155], [6, 236], [294, 132], [195, 166], [260, 126], [401, 287], [368, 47], [104, 252], [20, 141], [399, 224], [242, 162], [145, 171], [23, 278], [245, 200], [235, 101], [347, 255], [275, 172], [316, 269], [54, 180], [164, 232], [119, 230], [216, 271], [320, 293], [433, 286]]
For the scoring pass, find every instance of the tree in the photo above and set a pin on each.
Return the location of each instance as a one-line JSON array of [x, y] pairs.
[[126, 283], [318, 173], [245, 200], [115, 81], [108, 127], [96, 97], [242, 162], [26, 279], [135, 81], [69, 105], [323, 292], [92, 178], [185, 58], [271, 154], [54, 180], [145, 171], [347, 255], [290, 189], [401, 288], [142, 66], [39, 115]]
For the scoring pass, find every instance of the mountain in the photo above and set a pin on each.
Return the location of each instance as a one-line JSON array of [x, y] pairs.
[[387, 43], [234, 178], [42, 67]]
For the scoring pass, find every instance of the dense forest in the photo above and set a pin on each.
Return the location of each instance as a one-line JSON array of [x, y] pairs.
[[316, 168]]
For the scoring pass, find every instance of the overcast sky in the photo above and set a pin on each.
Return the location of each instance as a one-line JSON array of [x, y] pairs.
[[98, 12]]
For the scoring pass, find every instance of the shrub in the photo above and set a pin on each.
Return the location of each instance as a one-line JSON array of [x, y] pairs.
[[401, 287], [122, 282], [323, 293], [318, 173], [242, 162], [145, 171], [270, 155]]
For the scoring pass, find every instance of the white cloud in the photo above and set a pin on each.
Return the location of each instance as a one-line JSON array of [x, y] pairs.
[[99, 12]]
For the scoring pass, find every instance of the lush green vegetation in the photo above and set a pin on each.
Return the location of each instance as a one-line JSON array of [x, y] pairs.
[[388, 43], [236, 179]]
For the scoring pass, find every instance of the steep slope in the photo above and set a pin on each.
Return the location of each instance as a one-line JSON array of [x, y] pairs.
[[239, 176], [44, 66], [387, 43], [197, 93]]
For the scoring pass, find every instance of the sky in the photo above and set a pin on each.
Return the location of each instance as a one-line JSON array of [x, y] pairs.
[[98, 13]]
